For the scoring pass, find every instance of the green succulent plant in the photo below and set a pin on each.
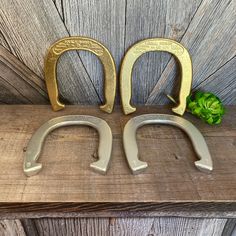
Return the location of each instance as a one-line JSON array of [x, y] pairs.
[[206, 106]]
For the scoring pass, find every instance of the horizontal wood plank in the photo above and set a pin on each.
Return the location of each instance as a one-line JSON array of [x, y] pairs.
[[67, 183]]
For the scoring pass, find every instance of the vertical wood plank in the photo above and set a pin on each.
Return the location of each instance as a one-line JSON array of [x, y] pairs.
[[11, 228], [72, 226], [130, 226], [211, 41], [59, 6], [103, 21], [3, 42], [29, 227], [187, 226], [230, 228], [151, 18], [29, 37], [161, 226]]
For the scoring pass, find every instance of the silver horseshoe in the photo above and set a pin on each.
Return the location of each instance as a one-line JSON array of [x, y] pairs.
[[32, 167], [131, 148]]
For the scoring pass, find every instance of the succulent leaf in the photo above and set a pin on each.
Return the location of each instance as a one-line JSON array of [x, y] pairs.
[[206, 106]]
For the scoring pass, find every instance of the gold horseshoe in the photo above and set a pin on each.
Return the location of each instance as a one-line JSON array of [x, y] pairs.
[[80, 43], [149, 45]]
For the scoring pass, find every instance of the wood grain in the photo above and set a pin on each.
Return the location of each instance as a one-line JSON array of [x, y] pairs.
[[11, 228], [103, 21], [115, 226], [222, 82], [211, 41], [59, 6], [145, 19], [18, 83], [29, 38], [3, 42], [230, 228], [114, 209], [126, 226], [66, 177]]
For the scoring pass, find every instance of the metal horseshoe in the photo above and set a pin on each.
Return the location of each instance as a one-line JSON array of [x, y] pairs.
[[32, 167], [87, 44], [149, 45], [131, 148]]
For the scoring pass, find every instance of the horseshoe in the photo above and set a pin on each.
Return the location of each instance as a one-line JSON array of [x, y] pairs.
[[131, 149], [80, 43], [32, 167], [149, 45]]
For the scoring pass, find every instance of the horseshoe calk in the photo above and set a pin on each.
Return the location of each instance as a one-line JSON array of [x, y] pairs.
[[150, 45], [32, 167], [131, 148], [80, 43]]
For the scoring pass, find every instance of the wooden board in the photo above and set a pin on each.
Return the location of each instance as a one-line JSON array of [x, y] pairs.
[[226, 90], [29, 38], [170, 185], [102, 21], [211, 41], [116, 226], [126, 226], [147, 19], [19, 84]]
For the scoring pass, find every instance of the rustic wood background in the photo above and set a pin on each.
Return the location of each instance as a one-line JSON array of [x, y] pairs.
[[117, 226], [207, 28]]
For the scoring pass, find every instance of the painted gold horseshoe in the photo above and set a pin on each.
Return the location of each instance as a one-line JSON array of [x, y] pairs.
[[149, 45], [80, 43], [32, 167], [131, 147]]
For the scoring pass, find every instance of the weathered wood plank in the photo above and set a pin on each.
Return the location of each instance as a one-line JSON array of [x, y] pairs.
[[69, 178], [3, 42], [114, 209], [234, 232], [30, 227], [222, 82], [72, 226], [230, 228], [59, 6], [126, 226], [144, 19], [211, 41], [29, 37], [18, 83], [183, 226], [11, 228], [103, 21], [115, 226]]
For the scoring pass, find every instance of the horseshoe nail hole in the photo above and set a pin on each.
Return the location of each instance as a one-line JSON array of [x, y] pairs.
[[24, 149], [28, 164], [178, 157], [95, 156], [234, 142]]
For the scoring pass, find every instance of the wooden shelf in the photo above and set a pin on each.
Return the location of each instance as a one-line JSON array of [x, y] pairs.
[[66, 184]]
